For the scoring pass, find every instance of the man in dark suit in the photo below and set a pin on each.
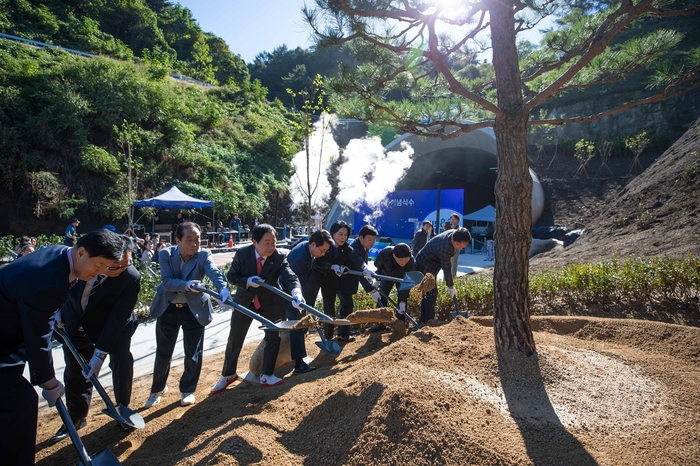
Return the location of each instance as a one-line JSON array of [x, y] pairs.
[[349, 284], [32, 288], [258, 261], [301, 260], [99, 319], [393, 261], [422, 236], [177, 304]]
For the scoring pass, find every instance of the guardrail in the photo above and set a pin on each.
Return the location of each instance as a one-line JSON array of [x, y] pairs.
[[36, 43]]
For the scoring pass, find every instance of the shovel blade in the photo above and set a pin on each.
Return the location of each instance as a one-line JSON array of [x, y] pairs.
[[455, 314], [410, 280], [329, 347], [131, 418], [104, 458]]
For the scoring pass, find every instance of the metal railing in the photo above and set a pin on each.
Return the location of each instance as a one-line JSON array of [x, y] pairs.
[[36, 43]]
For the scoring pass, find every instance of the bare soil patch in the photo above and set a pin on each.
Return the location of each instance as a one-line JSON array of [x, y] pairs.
[[599, 391]]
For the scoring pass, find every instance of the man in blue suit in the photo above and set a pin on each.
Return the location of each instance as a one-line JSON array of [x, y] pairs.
[[177, 304], [258, 261], [301, 259], [99, 319], [32, 288]]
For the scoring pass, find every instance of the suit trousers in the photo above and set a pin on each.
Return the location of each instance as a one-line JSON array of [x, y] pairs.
[[332, 288], [240, 323], [297, 345], [167, 327], [18, 417], [121, 362], [427, 305]]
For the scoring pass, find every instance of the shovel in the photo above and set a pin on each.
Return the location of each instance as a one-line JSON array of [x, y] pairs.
[[416, 325], [330, 347], [118, 413], [283, 326], [103, 458], [408, 281], [454, 315]]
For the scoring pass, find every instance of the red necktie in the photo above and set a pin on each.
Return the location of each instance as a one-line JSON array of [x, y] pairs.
[[256, 301]]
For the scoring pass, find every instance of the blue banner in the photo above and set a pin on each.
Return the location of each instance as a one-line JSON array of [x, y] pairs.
[[401, 213]]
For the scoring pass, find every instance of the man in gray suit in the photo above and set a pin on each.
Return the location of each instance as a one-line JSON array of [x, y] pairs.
[[177, 304]]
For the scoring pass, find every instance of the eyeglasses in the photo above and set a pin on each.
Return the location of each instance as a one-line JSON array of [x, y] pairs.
[[119, 267]]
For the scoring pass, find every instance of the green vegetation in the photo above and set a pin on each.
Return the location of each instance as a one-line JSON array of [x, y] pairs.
[[87, 136], [654, 284], [62, 121]]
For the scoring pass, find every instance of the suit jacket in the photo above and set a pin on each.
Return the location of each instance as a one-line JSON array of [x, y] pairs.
[[356, 260], [109, 309], [301, 262], [275, 271], [174, 281], [32, 288]]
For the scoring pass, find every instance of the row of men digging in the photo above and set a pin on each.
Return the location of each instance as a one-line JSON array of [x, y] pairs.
[[271, 286]]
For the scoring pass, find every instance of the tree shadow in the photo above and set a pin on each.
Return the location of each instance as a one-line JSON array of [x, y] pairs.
[[329, 431], [546, 439]]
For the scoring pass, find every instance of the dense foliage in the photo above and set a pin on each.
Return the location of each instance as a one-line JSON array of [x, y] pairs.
[[69, 124]]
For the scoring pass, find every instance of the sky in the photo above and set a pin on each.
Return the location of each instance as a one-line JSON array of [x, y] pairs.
[[250, 27]]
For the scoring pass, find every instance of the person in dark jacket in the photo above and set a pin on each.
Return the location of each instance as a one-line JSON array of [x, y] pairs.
[[422, 236], [328, 269], [394, 261], [349, 284], [301, 259], [258, 261], [32, 288], [100, 321]]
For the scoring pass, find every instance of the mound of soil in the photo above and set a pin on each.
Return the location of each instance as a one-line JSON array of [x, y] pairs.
[[599, 391]]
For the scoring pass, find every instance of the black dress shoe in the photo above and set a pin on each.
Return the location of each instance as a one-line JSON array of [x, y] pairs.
[[63, 432], [303, 368]]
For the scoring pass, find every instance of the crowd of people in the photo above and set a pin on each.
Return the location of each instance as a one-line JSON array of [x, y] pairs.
[[90, 289]]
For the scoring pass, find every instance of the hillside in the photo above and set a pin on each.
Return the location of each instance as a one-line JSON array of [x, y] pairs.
[[653, 213]]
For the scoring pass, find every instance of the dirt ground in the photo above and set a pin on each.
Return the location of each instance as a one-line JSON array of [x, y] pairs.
[[597, 392]]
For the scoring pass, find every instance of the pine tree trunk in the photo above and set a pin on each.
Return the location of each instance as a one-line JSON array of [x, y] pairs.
[[513, 192]]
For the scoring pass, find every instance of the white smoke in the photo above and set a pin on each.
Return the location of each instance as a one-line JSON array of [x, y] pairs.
[[370, 173], [323, 151]]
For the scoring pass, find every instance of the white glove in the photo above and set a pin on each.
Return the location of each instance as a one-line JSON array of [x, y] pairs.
[[339, 269], [297, 298], [59, 320], [402, 308], [251, 281], [225, 294], [192, 283], [51, 395], [376, 296], [368, 272], [95, 364], [453, 292]]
